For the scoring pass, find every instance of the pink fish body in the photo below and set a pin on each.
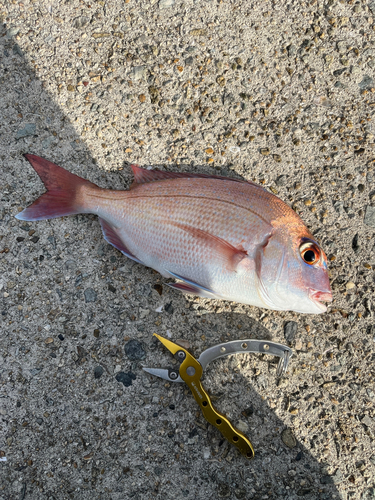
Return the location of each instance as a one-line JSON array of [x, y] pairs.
[[219, 237]]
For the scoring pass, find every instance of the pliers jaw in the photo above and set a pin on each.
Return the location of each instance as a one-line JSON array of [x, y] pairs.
[[189, 366]]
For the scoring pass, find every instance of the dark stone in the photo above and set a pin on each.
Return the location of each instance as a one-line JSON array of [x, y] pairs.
[[39, 421], [248, 411], [125, 378], [326, 480], [169, 308], [98, 371], [172, 407], [52, 240], [17, 50], [111, 288], [134, 350], [90, 295], [81, 352], [223, 490], [339, 72], [355, 244], [359, 151], [35, 239], [193, 433], [240, 493], [61, 336], [20, 238], [290, 331], [366, 83]]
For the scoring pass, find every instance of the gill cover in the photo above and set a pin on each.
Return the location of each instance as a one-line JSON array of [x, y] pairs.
[[293, 274]]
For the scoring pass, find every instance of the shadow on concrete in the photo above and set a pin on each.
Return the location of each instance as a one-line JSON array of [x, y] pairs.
[[39, 423]]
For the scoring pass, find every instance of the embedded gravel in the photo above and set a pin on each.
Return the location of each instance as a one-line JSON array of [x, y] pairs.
[[281, 93]]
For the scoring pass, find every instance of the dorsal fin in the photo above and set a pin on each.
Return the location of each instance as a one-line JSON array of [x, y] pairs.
[[142, 176]]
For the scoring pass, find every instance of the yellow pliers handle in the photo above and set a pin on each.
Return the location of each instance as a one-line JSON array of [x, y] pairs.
[[191, 373]]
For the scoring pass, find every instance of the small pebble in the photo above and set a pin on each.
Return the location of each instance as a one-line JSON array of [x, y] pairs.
[[135, 350], [166, 4], [366, 83], [27, 131], [242, 426], [90, 295], [139, 73], [290, 331], [125, 378], [80, 22], [370, 216], [298, 345], [98, 371], [288, 438]]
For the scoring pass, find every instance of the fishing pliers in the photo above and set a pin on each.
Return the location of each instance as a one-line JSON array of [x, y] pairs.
[[191, 371]]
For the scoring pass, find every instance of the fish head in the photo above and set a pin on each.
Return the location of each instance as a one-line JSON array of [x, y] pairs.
[[292, 272]]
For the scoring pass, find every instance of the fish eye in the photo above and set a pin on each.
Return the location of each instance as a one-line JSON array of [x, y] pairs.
[[310, 252]]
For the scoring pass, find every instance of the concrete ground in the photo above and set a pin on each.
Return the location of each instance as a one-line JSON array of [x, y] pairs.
[[277, 92]]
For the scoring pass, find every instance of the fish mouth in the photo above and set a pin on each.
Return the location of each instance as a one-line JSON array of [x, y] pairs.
[[317, 297]]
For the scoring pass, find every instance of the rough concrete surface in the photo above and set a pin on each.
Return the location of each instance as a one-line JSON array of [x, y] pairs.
[[281, 93]]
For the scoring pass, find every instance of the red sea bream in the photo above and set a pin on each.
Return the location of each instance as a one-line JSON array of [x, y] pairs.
[[219, 237]]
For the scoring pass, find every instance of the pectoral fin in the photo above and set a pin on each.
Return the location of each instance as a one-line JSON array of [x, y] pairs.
[[223, 251]]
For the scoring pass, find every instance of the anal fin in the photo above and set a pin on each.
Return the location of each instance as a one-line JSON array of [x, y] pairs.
[[112, 237]]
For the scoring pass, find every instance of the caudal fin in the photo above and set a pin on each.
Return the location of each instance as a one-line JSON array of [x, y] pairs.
[[64, 192]]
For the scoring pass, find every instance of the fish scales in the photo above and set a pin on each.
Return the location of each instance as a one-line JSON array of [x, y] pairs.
[[149, 214]]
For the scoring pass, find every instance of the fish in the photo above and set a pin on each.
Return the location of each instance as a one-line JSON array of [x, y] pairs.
[[217, 237]]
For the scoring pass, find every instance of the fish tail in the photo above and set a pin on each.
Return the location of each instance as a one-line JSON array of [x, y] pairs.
[[64, 196]]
